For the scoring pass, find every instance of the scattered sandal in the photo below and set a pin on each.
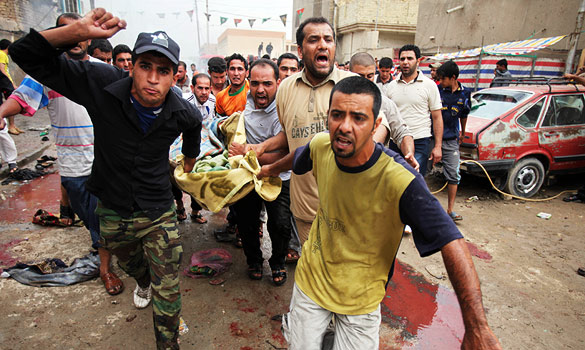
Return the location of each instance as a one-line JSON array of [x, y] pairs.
[[455, 216], [279, 276], [255, 272], [181, 215], [112, 283], [12, 167], [198, 218], [573, 198], [292, 256]]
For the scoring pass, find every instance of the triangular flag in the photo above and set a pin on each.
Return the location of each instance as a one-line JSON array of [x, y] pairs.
[[300, 13], [141, 12], [208, 15], [251, 21], [237, 21], [222, 20], [176, 14], [190, 14], [264, 20], [283, 19]]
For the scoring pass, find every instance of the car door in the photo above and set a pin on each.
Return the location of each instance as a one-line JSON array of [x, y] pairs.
[[562, 131]]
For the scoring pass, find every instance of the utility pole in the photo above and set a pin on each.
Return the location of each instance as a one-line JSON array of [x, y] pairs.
[[207, 16], [197, 19], [574, 39]]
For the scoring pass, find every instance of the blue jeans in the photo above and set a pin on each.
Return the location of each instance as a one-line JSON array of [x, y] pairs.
[[84, 205], [422, 152]]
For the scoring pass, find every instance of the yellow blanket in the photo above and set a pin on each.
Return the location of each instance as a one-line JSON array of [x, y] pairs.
[[215, 190]]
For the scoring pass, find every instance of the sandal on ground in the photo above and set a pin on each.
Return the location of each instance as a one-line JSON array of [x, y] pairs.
[[198, 218], [573, 198], [455, 216], [292, 256], [279, 276], [255, 272], [238, 241], [112, 283], [581, 271], [19, 130], [13, 131], [46, 158], [66, 213], [181, 215], [12, 167]]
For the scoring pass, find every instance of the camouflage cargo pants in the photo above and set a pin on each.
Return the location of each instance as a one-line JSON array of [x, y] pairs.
[[150, 251]]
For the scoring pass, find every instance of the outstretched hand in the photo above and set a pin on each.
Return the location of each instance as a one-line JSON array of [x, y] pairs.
[[410, 159]]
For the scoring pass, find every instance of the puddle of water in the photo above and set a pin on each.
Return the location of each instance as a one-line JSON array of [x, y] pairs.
[[40, 193], [427, 315]]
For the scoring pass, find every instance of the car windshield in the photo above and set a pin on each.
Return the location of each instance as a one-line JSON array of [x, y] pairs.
[[494, 103]]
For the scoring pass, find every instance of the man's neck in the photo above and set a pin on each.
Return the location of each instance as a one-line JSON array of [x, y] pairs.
[[360, 159], [411, 77], [314, 80], [182, 82], [84, 58], [454, 86], [235, 88]]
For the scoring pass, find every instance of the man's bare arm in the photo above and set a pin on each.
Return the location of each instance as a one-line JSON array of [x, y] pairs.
[[188, 164], [97, 24], [277, 142], [407, 148], [9, 108], [436, 153], [277, 167], [457, 259]]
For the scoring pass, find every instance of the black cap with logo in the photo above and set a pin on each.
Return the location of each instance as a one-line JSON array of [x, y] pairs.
[[158, 41]]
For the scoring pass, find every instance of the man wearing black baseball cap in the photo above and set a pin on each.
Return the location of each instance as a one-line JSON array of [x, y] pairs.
[[135, 120]]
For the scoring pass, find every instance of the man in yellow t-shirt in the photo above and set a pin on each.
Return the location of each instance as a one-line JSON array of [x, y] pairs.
[[233, 98], [6, 83], [367, 194]]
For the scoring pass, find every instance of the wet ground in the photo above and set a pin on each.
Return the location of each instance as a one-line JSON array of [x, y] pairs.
[[532, 294]]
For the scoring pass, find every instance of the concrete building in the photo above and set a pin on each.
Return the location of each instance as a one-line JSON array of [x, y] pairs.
[[18, 16], [494, 22], [379, 27], [247, 42]]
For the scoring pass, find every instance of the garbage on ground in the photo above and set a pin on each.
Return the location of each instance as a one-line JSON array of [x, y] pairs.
[[543, 215], [55, 273], [208, 263], [472, 199], [23, 174], [183, 329], [130, 318]]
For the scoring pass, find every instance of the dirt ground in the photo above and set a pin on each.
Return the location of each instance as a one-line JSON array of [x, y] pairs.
[[527, 265]]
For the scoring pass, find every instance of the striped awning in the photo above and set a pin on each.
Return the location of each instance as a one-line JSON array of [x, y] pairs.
[[510, 48]]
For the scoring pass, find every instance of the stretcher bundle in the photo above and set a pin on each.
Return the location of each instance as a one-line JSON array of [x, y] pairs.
[[216, 180]]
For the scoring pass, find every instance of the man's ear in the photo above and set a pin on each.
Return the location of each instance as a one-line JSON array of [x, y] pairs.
[[300, 52], [377, 123]]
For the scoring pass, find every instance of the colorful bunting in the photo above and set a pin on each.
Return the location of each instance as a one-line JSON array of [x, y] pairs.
[[264, 20], [300, 13], [251, 21], [190, 14], [283, 19], [237, 21], [208, 15], [222, 20]]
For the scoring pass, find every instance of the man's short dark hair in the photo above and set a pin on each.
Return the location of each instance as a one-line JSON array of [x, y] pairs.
[[265, 62], [102, 44], [359, 85], [199, 76], [267, 56], [155, 54], [120, 48], [4, 43], [312, 20], [363, 59], [70, 15], [181, 63], [288, 56], [503, 62], [236, 56], [448, 69], [410, 47], [216, 65], [385, 62]]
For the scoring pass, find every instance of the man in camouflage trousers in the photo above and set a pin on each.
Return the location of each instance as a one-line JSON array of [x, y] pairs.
[[135, 121]]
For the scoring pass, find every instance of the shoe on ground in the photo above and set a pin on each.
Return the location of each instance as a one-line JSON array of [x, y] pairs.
[[407, 230], [142, 297]]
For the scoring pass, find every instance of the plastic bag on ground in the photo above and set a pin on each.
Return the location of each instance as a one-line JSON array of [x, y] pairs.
[[208, 263]]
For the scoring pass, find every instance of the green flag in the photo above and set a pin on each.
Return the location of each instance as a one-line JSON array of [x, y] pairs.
[[222, 20]]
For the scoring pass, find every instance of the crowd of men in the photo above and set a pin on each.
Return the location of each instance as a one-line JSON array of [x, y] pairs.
[[351, 148]]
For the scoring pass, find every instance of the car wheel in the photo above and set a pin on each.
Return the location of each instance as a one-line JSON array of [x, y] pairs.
[[526, 177]]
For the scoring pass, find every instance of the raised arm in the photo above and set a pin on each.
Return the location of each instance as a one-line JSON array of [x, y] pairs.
[[457, 259]]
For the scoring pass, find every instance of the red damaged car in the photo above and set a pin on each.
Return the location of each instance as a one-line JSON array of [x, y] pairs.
[[522, 133]]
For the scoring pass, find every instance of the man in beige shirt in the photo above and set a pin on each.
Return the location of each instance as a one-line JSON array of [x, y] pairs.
[[302, 101]]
